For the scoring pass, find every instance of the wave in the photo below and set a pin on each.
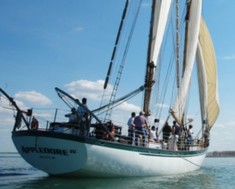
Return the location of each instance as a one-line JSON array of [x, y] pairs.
[[9, 155], [12, 174]]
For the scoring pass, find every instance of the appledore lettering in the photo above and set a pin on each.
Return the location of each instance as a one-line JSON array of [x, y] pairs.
[[46, 150]]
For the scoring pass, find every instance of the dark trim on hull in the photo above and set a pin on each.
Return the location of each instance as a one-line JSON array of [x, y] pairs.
[[108, 144]]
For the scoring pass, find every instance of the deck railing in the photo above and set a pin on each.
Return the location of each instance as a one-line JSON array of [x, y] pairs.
[[113, 133]]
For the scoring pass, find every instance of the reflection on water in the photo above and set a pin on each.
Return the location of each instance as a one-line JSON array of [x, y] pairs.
[[197, 179], [216, 173]]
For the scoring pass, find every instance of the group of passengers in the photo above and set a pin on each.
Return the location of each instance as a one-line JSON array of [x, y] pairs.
[[182, 137], [80, 117], [175, 136], [138, 129], [79, 114]]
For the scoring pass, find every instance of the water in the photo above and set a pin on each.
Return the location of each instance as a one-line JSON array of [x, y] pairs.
[[216, 173]]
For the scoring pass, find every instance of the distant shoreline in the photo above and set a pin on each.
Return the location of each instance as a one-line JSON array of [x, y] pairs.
[[221, 154]]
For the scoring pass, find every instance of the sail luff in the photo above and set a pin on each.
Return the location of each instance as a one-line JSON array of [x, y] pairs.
[[160, 20], [160, 11], [207, 66], [191, 45], [202, 83]]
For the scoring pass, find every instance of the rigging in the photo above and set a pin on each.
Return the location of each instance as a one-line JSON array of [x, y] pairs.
[[123, 60]]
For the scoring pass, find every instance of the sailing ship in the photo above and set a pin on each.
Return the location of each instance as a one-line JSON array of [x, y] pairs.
[[90, 146]]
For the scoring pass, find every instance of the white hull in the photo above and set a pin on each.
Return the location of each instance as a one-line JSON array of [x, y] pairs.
[[57, 156]]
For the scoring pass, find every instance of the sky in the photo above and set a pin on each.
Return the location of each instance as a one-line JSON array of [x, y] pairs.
[[68, 44]]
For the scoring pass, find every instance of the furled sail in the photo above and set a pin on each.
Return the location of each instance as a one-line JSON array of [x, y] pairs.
[[207, 71], [160, 11], [192, 34]]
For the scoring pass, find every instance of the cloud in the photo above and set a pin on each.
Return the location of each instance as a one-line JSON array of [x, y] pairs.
[[162, 105], [6, 114], [228, 124], [77, 30], [91, 89], [232, 57], [129, 107], [33, 97]]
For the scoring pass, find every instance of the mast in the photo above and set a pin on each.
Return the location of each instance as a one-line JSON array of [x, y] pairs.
[[116, 45], [186, 32], [159, 16], [120, 70], [149, 80], [177, 45]]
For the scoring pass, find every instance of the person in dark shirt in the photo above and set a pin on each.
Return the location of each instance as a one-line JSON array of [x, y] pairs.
[[141, 124], [166, 132]]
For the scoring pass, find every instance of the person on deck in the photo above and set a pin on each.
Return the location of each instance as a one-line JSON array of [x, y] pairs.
[[73, 117], [140, 125], [34, 123], [156, 123], [83, 116], [175, 133], [153, 136], [131, 128], [166, 132], [190, 135], [80, 110]]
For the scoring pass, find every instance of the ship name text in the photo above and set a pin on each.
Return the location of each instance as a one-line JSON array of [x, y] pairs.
[[45, 150]]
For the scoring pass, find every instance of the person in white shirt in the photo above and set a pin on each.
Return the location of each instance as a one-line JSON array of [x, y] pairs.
[[131, 128], [153, 136], [80, 110], [83, 118]]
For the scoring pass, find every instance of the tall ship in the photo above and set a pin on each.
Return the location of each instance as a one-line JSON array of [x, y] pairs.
[[92, 143]]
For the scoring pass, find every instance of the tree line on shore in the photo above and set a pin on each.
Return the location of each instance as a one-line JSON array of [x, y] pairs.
[[221, 154]]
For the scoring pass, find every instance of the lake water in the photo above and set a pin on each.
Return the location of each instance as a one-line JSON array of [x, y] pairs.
[[216, 173]]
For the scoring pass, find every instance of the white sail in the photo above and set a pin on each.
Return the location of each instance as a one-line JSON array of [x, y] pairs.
[[202, 82], [162, 8], [207, 72], [192, 41]]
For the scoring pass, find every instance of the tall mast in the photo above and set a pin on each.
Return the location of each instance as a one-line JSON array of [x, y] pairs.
[[186, 31], [149, 80], [159, 17], [116, 45], [177, 45]]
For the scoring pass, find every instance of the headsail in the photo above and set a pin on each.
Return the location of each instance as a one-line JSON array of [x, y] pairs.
[[190, 50], [160, 11], [207, 71]]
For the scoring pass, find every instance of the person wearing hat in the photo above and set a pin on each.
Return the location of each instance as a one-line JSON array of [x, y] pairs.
[[140, 125]]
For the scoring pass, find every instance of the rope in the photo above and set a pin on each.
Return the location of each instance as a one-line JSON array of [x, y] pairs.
[[191, 162], [121, 67]]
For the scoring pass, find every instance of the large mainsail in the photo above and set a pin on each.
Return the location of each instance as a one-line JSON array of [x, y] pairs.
[[160, 11], [207, 72], [192, 34]]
